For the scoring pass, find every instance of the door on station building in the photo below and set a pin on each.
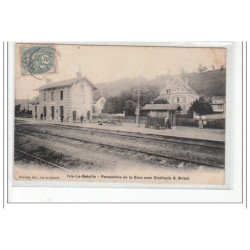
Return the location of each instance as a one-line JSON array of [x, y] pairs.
[[35, 111], [44, 112], [52, 112], [88, 115], [61, 111]]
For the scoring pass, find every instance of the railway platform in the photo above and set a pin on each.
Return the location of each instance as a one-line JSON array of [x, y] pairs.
[[178, 131]]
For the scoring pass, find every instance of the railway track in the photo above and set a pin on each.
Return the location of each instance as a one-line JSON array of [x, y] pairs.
[[163, 138], [42, 160], [126, 148]]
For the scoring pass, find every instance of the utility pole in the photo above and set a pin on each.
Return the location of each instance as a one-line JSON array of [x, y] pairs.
[[137, 111], [28, 103]]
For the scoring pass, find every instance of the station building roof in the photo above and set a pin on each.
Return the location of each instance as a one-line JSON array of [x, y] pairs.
[[65, 83]]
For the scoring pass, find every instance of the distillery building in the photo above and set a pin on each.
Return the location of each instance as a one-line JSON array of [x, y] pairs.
[[179, 92]]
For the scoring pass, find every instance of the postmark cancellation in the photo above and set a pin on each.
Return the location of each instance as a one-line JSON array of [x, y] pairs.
[[38, 59]]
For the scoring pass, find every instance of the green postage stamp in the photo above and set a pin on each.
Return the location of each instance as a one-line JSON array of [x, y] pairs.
[[38, 59]]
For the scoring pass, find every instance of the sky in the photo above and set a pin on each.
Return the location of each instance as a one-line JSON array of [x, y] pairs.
[[109, 63]]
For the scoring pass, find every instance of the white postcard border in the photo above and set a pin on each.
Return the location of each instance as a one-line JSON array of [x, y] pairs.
[[231, 192]]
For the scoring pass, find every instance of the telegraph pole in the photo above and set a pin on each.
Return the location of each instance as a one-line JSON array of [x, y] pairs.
[[137, 111], [28, 102]]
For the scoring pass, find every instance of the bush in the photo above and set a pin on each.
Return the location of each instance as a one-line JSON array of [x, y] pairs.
[[161, 101], [218, 124], [201, 107], [187, 120]]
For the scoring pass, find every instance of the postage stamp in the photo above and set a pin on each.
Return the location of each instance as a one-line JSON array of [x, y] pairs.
[[38, 59]]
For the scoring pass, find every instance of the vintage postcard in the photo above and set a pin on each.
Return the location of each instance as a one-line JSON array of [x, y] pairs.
[[120, 114]]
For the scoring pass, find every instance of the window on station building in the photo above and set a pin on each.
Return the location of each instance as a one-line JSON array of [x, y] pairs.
[[52, 96], [45, 111], [44, 96], [61, 94], [178, 99], [168, 91], [52, 112]]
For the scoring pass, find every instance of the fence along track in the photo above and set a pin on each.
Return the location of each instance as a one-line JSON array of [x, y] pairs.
[[128, 149], [163, 138], [42, 160]]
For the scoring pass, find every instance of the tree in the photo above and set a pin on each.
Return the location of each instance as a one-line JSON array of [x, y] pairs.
[[161, 101], [128, 100], [201, 106], [148, 94], [112, 105], [130, 107]]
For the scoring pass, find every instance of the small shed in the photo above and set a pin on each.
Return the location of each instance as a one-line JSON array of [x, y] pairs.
[[160, 115]]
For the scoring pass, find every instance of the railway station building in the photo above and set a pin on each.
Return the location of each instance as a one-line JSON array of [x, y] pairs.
[[66, 100]]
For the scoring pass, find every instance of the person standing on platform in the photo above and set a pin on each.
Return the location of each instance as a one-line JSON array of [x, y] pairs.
[[74, 116], [82, 117]]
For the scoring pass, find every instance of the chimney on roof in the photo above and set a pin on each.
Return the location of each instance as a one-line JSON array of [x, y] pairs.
[[48, 80]]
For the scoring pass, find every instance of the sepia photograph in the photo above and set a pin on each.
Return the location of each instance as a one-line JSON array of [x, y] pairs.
[[126, 114]]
